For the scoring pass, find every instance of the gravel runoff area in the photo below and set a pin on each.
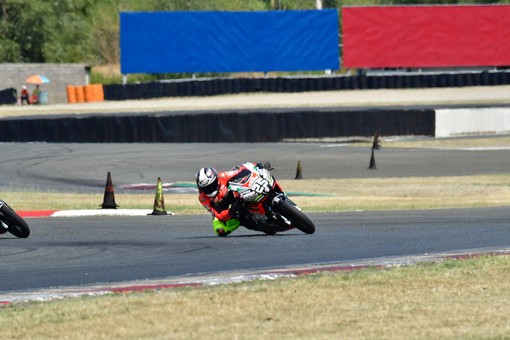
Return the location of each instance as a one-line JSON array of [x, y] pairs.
[[482, 95]]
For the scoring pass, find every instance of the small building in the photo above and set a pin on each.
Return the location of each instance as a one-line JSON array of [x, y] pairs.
[[13, 75]]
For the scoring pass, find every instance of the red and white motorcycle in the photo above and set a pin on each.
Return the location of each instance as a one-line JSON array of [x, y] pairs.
[[262, 205], [11, 222]]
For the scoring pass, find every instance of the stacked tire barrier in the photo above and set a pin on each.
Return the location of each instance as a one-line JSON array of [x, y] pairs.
[[8, 96], [240, 125], [216, 127], [218, 86]]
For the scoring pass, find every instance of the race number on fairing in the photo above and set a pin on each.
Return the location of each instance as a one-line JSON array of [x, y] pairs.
[[260, 186]]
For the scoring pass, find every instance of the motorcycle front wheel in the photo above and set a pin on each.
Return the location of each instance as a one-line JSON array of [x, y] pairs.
[[15, 224], [296, 217]]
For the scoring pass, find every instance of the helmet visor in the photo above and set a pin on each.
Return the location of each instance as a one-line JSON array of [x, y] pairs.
[[211, 189], [212, 194]]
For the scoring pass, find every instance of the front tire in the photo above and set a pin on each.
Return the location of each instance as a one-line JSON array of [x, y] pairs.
[[16, 225], [295, 216]]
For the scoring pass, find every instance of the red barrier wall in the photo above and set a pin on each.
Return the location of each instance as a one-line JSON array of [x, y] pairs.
[[426, 36]]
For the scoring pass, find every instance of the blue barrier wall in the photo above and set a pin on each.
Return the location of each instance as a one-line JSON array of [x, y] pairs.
[[193, 42]]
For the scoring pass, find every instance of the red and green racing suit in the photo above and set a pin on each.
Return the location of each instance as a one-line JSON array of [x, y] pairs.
[[223, 222]]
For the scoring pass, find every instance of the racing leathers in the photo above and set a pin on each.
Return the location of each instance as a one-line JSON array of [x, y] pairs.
[[219, 206], [223, 206]]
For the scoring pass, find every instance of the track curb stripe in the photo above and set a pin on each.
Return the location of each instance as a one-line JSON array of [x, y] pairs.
[[35, 213], [241, 276], [85, 212]]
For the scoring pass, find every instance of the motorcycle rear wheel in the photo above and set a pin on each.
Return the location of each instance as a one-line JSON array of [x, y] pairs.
[[296, 217], [16, 225]]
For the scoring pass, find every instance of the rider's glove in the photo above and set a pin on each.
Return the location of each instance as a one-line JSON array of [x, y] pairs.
[[265, 165], [224, 216]]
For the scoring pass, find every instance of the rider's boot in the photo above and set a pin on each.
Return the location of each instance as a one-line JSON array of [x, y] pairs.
[[225, 228]]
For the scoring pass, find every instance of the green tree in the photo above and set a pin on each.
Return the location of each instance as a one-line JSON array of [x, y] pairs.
[[43, 31], [104, 35], [23, 29], [88, 30], [9, 51], [68, 30]]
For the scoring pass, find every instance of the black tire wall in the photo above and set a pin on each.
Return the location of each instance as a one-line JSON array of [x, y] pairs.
[[217, 127]]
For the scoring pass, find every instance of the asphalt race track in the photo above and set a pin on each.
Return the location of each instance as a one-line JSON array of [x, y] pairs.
[[79, 251], [68, 252], [83, 167]]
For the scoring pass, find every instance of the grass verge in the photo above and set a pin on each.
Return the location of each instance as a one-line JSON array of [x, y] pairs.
[[452, 299], [334, 195]]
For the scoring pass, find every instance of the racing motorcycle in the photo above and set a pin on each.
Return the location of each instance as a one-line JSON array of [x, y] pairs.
[[262, 205], [11, 222]]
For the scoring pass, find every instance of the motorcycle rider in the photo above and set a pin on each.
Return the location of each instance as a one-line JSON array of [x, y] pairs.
[[214, 195]]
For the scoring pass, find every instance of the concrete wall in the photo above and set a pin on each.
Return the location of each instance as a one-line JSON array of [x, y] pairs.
[[61, 75], [451, 122]]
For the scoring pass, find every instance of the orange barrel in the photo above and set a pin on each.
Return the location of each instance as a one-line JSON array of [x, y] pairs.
[[92, 93], [89, 93], [71, 94], [100, 92], [95, 92], [80, 94]]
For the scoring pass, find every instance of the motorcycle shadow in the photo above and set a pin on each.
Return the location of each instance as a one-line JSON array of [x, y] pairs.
[[236, 236], [9, 237]]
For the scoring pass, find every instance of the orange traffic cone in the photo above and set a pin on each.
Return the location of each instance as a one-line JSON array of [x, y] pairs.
[[159, 200], [372, 165], [376, 144], [299, 174], [109, 195]]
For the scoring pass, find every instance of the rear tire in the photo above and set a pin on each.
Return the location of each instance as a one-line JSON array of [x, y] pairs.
[[296, 217], [16, 225]]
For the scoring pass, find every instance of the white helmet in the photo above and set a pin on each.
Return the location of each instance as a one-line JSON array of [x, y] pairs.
[[207, 181]]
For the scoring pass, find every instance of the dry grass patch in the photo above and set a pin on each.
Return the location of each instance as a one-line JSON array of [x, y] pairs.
[[333, 195], [403, 193], [454, 143], [183, 203], [454, 299]]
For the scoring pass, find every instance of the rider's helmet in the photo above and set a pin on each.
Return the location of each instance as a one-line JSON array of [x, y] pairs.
[[207, 181]]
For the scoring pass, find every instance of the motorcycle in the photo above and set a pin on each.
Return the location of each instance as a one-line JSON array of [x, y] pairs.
[[11, 222], [262, 205]]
